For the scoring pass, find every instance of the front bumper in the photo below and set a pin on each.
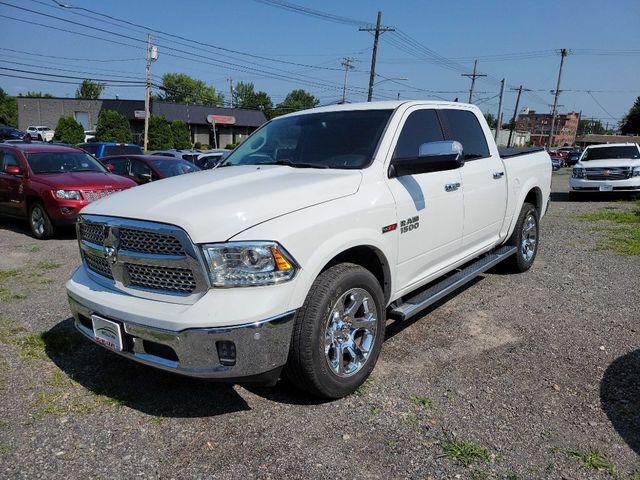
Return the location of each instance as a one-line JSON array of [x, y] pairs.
[[261, 347], [582, 185]]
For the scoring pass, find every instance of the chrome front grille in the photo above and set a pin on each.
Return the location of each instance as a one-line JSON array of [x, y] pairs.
[[98, 264], [144, 259], [149, 242], [614, 173], [162, 278], [93, 195]]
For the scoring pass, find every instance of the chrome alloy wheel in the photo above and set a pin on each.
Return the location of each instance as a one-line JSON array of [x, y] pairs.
[[529, 237], [37, 221], [350, 332]]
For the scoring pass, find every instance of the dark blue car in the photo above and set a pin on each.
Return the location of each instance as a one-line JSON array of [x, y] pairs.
[[104, 149]]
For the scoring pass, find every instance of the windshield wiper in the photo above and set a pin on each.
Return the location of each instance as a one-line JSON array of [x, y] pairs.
[[289, 163]]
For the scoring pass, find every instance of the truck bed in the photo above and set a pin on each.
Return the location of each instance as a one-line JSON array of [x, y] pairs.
[[515, 152]]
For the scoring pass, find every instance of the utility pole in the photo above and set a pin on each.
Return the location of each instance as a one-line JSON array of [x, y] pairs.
[[378, 30], [147, 93], [563, 53], [515, 113], [231, 99], [347, 63], [499, 122], [473, 77]]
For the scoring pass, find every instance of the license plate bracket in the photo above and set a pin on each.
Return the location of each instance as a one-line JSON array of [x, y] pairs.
[[107, 333], [606, 188]]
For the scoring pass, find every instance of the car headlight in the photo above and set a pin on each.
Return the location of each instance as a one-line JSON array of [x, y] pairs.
[[636, 172], [68, 194], [578, 173], [248, 264]]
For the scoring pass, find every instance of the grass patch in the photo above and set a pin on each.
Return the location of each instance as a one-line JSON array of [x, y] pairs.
[[480, 475], [5, 449], [62, 340], [8, 330], [7, 295], [49, 265], [363, 389], [465, 452], [423, 402], [32, 347], [624, 239], [375, 411], [594, 460], [6, 274]]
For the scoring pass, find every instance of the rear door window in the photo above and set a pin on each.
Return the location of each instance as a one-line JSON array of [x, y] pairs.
[[120, 166], [121, 150], [464, 127]]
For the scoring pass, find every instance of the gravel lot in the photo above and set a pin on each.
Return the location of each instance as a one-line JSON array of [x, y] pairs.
[[531, 373]]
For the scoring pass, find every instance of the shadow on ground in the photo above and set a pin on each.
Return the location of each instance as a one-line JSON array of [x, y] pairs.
[[592, 197], [620, 397], [22, 227], [147, 389]]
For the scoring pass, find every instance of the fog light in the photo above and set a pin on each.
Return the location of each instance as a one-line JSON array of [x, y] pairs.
[[67, 210], [226, 352]]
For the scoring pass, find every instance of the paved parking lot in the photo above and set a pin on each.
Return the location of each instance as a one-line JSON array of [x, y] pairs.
[[517, 376]]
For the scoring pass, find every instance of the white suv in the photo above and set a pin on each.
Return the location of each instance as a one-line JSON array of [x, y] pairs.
[[607, 168], [41, 133]]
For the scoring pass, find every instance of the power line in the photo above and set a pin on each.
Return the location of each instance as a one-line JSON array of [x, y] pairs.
[[69, 76], [47, 80], [71, 58]]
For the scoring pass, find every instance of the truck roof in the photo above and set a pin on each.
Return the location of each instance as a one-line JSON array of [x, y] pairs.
[[627, 144], [385, 105], [41, 147]]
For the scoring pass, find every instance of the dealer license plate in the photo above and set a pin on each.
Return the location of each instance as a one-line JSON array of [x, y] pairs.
[[606, 188], [107, 333]]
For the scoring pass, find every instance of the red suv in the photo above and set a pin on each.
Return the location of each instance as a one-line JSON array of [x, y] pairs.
[[49, 184]]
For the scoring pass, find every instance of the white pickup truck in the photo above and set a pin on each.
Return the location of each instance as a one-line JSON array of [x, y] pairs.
[[612, 167], [290, 256]]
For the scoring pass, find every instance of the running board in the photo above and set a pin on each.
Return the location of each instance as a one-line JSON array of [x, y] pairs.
[[422, 300]]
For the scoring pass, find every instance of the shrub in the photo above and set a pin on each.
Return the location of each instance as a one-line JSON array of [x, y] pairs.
[[204, 146], [197, 145], [160, 135], [231, 146], [112, 126], [181, 135], [69, 131]]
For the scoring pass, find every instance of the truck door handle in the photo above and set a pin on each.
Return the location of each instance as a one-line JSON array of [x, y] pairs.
[[498, 175], [451, 187]]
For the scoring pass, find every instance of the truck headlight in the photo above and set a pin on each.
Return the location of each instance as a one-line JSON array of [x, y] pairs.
[[248, 264], [578, 172], [68, 194]]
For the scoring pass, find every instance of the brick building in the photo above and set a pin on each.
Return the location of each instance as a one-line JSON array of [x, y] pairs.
[[539, 126]]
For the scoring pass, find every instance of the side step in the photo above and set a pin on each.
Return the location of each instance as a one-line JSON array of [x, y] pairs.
[[458, 278]]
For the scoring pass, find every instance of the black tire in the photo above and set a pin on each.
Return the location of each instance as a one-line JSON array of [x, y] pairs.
[[309, 366], [39, 221], [39, 137], [575, 196], [524, 257]]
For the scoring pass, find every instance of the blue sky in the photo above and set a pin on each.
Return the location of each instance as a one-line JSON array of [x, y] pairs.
[[604, 39]]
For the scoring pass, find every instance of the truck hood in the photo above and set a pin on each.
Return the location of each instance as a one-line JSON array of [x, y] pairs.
[[608, 163], [83, 181], [214, 205]]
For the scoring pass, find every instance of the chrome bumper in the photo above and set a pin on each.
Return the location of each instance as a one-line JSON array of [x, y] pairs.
[[261, 347]]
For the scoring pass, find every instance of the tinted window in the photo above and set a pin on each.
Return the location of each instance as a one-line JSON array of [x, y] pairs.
[[171, 168], [463, 126], [8, 160], [92, 149], [61, 162], [122, 150], [342, 139], [139, 167], [119, 166], [603, 153], [422, 126]]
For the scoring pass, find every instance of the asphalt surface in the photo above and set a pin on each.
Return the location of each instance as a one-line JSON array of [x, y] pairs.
[[539, 370]]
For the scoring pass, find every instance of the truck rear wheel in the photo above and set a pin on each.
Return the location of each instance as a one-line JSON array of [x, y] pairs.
[[525, 237], [338, 332]]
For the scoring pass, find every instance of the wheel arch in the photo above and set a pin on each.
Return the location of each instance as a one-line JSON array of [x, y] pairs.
[[534, 197]]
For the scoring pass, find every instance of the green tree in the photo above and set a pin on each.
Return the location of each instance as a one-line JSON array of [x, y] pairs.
[[631, 122], [90, 89], [589, 125], [294, 101], [181, 134], [181, 88], [36, 95], [247, 97], [160, 135], [8, 110], [491, 120], [69, 131], [112, 126]]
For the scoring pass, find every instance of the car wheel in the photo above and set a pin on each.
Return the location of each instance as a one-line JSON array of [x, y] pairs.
[[39, 137], [525, 238], [338, 332], [40, 223]]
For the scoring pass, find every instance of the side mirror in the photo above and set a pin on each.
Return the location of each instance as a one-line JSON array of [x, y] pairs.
[[109, 167], [12, 170], [145, 176], [432, 157]]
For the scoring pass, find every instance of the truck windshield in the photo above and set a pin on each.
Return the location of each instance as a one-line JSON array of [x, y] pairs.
[[61, 162], [342, 140], [604, 153]]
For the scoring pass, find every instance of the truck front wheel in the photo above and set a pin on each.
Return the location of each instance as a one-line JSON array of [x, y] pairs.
[[338, 332]]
